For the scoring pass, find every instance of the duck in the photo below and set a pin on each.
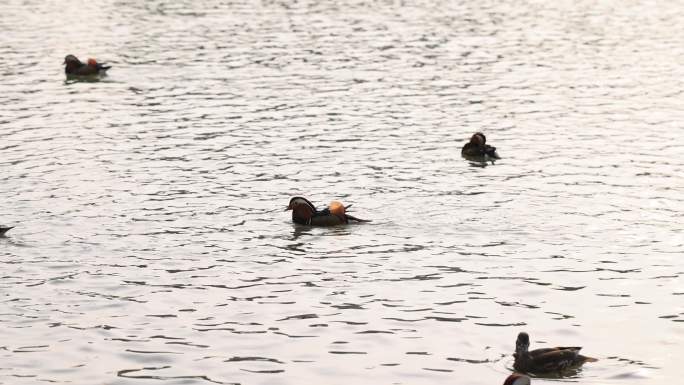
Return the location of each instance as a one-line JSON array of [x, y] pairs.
[[517, 379], [546, 360], [305, 213], [478, 149], [4, 229], [76, 68]]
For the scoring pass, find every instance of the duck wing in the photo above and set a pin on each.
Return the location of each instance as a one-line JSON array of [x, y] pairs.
[[470, 149], [556, 360], [85, 70], [89, 70], [326, 211], [537, 352], [325, 219]]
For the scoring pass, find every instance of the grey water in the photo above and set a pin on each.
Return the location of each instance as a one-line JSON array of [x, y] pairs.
[[151, 245]]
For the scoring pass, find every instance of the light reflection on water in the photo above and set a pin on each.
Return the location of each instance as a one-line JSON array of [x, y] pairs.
[[151, 241]]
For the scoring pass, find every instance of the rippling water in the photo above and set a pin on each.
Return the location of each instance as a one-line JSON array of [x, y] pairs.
[[151, 242]]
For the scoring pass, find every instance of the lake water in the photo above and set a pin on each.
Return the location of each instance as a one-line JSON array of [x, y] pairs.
[[151, 245]]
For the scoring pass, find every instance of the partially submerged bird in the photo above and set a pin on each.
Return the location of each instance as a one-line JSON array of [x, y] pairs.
[[4, 229], [76, 68], [305, 213], [517, 379], [546, 360], [477, 149]]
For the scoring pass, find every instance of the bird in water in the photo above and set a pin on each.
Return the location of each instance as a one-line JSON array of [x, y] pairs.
[[517, 379], [546, 360], [4, 229], [305, 213], [76, 68], [477, 149]]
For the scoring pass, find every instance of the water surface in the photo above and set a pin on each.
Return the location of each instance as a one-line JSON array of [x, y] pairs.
[[152, 247]]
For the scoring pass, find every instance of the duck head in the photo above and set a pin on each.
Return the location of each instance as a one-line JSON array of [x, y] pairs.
[[517, 379], [92, 62], [71, 59], [301, 208], [72, 62], [478, 139], [522, 343]]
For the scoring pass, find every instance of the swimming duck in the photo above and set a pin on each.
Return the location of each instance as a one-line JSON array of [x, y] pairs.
[[75, 68], [477, 149], [305, 213], [517, 379], [4, 229], [546, 360]]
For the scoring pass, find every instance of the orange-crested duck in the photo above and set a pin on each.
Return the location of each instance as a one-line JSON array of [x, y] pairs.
[[477, 148], [546, 360], [76, 68], [305, 213]]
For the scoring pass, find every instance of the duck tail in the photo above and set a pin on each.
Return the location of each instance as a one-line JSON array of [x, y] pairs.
[[589, 359], [352, 218], [491, 152], [3, 230]]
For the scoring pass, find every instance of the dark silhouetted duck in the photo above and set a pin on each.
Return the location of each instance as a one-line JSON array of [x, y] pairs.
[[75, 68], [305, 213], [4, 229], [517, 379], [477, 149], [546, 360]]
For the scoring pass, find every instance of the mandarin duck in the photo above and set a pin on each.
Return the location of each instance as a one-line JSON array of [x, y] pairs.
[[476, 149], [75, 68], [546, 360], [305, 213]]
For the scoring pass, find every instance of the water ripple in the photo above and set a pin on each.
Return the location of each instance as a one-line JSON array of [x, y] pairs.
[[148, 206]]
